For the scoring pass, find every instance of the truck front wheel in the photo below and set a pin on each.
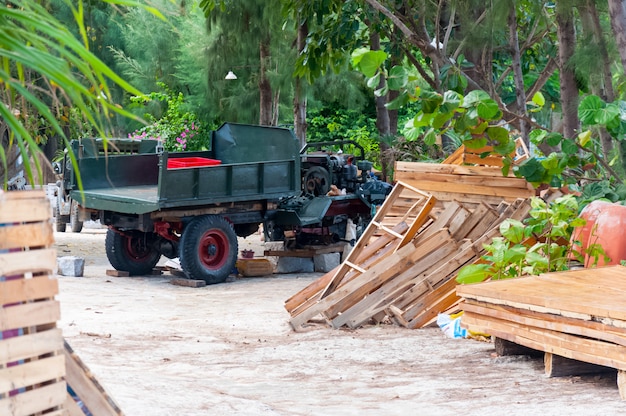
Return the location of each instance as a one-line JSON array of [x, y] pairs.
[[132, 253], [208, 249]]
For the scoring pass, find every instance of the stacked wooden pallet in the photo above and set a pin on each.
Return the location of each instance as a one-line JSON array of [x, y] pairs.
[[32, 366], [579, 314], [404, 265], [467, 184], [485, 156]]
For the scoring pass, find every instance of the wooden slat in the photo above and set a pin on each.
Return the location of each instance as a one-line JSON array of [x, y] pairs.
[[30, 345], [71, 408], [24, 206], [29, 314], [33, 401], [38, 234], [19, 290], [31, 373], [572, 326], [403, 167], [569, 346], [18, 263], [568, 297], [445, 179], [87, 388]]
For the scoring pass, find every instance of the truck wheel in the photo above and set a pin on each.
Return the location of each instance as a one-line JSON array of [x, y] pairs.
[[75, 225], [208, 249], [60, 221], [131, 253]]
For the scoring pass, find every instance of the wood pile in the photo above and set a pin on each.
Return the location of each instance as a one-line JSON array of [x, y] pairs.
[[577, 314], [434, 222]]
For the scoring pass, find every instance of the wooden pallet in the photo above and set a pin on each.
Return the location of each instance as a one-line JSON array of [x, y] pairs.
[[579, 314], [32, 365], [465, 184]]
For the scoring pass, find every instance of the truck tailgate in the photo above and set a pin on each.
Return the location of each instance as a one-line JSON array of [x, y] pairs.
[[126, 199]]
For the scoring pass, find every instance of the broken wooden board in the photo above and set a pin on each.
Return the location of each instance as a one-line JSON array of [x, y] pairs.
[[87, 387]]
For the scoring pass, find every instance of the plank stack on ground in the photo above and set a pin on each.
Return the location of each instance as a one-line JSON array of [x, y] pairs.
[[578, 314], [32, 366], [404, 265]]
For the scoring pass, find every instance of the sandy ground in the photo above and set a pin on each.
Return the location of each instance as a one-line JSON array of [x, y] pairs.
[[227, 349]]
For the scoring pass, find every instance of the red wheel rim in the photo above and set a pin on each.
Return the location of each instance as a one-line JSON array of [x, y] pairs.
[[136, 248], [213, 249]]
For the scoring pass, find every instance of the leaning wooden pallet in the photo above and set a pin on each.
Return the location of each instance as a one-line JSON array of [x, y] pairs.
[[368, 251], [577, 314], [32, 366]]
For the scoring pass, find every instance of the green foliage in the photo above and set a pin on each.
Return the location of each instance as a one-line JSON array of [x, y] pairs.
[[44, 68], [542, 244], [177, 129]]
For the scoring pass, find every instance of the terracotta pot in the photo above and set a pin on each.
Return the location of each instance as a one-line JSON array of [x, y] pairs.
[[606, 223]]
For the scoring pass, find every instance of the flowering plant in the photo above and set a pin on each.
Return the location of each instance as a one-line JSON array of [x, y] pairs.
[[176, 129]]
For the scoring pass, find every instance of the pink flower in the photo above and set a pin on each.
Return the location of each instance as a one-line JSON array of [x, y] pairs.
[[183, 134]]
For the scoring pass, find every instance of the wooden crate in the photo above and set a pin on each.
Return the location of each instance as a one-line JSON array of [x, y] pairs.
[[32, 364], [254, 267]]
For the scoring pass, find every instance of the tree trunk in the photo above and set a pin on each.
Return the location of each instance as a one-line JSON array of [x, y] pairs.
[[299, 97], [265, 89], [569, 90], [382, 114], [516, 63], [601, 81], [618, 23]]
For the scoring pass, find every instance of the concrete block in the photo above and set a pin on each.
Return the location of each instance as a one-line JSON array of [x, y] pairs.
[[326, 262], [294, 265], [71, 266]]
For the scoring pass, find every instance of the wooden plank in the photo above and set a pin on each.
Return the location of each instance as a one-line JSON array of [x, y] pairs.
[[188, 282], [306, 252], [30, 345], [38, 234], [590, 329], [621, 383], [444, 179], [24, 207], [442, 301], [557, 366], [464, 188], [31, 373], [71, 408], [483, 213], [87, 388], [117, 273], [29, 314], [20, 262], [34, 401], [556, 292], [19, 290], [570, 346], [407, 167]]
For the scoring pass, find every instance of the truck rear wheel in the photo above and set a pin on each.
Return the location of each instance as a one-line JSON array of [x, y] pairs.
[[75, 225], [60, 221], [131, 253], [208, 249]]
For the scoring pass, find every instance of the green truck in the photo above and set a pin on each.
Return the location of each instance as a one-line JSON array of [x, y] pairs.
[[194, 205]]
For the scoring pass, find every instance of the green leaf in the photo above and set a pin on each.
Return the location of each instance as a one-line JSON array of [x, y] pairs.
[[451, 101], [430, 138], [537, 136], [589, 108], [553, 139], [430, 101], [474, 273], [607, 114], [539, 99], [532, 170], [569, 147], [371, 61], [584, 138], [398, 78], [488, 110], [474, 97], [499, 134], [422, 120], [374, 81], [513, 230]]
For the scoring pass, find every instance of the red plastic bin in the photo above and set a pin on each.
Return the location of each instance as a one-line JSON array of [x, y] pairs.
[[191, 162]]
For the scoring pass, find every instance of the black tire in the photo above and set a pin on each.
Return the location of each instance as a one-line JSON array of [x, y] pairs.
[[208, 249], [60, 221], [75, 225], [131, 253]]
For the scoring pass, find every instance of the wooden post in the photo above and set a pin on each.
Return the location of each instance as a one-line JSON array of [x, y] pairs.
[[558, 366]]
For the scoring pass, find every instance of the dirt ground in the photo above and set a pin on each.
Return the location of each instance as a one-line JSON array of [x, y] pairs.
[[227, 349]]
